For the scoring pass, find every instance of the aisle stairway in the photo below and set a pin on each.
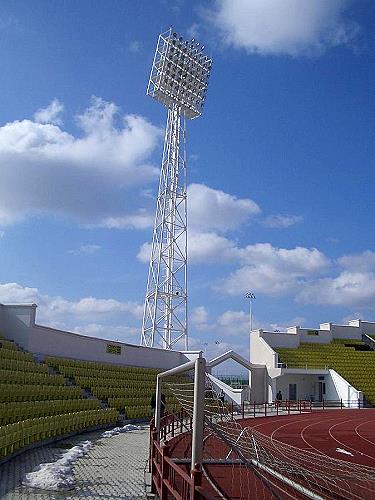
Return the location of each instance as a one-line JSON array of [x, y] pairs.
[[128, 389]]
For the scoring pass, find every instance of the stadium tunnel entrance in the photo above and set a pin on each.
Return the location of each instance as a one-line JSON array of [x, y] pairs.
[[256, 391]]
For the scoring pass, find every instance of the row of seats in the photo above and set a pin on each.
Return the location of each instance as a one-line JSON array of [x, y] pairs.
[[12, 412], [32, 398], [20, 434], [354, 364], [128, 389], [21, 365], [118, 392], [114, 382], [18, 377], [7, 344], [138, 412], [70, 371], [13, 354], [35, 405], [94, 365], [12, 392]]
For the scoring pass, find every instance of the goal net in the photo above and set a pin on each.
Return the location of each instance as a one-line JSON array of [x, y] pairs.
[[313, 475]]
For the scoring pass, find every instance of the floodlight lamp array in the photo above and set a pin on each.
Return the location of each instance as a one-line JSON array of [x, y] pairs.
[[179, 74]]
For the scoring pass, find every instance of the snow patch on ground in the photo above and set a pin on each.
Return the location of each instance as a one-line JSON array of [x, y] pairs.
[[120, 430], [57, 476], [341, 450]]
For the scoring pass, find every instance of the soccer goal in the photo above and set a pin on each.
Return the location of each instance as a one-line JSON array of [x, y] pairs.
[[312, 475]]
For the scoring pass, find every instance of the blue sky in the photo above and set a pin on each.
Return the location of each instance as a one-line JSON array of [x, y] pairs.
[[280, 165]]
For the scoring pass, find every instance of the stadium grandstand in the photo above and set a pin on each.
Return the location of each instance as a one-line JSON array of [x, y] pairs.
[[332, 363], [58, 385]]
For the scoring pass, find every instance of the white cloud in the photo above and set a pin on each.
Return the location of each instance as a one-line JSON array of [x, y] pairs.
[[212, 209], [289, 27], [193, 31], [135, 46], [199, 318], [211, 248], [108, 315], [121, 333], [282, 326], [14, 293], [2, 234], [282, 220], [234, 321], [85, 250], [352, 289], [354, 286], [140, 220], [144, 253], [274, 271], [46, 170], [50, 114], [202, 247], [363, 262]]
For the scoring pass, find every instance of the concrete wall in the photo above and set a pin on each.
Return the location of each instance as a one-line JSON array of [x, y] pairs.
[[18, 324], [289, 339], [367, 327], [317, 336], [307, 382], [258, 385], [339, 388], [343, 331], [261, 350], [305, 385]]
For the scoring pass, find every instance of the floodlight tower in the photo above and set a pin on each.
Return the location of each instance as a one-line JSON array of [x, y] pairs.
[[179, 78]]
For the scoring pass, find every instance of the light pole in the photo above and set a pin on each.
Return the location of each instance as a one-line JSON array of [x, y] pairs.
[[251, 297], [205, 349], [178, 80]]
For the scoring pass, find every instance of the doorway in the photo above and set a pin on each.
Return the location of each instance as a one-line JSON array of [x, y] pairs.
[[322, 390], [293, 392]]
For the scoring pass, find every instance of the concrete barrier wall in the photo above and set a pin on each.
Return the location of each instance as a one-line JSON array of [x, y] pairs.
[[18, 324], [316, 336], [339, 388], [346, 332], [290, 339], [367, 327], [261, 351]]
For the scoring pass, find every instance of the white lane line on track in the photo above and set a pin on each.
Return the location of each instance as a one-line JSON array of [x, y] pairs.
[[304, 429], [310, 446], [360, 435], [325, 454], [344, 444]]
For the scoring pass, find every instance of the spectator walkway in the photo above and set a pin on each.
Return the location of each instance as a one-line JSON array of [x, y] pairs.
[[112, 469]]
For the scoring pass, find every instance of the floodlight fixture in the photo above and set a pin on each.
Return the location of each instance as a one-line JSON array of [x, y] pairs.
[[251, 296], [179, 74], [179, 79]]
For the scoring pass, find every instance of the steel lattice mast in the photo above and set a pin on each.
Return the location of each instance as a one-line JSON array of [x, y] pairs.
[[179, 77]]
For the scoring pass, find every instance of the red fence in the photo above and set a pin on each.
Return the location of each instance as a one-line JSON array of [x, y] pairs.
[[168, 478]]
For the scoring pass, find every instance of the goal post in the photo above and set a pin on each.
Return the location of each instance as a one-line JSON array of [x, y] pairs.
[[199, 367]]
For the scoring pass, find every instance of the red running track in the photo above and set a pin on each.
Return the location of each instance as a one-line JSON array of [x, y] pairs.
[[325, 432], [346, 435]]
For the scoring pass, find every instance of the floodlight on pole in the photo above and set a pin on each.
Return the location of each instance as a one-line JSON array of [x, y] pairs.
[[178, 80], [251, 297]]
